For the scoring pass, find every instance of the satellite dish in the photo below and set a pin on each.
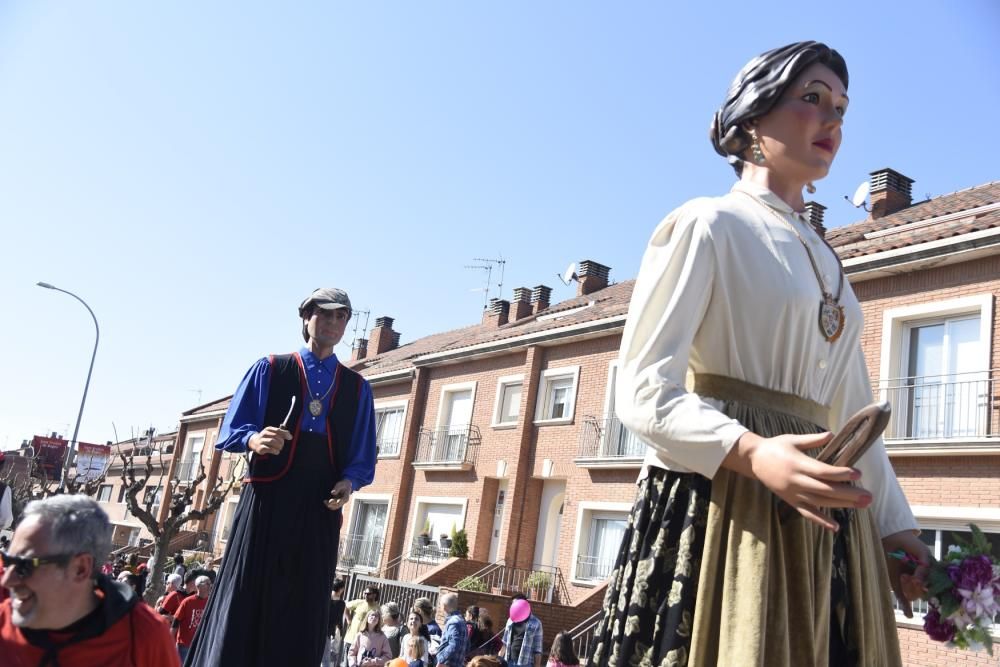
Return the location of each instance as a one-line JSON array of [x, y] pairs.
[[569, 274], [861, 194]]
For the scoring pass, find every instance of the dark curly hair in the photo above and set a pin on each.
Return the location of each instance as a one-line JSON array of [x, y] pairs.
[[758, 87]]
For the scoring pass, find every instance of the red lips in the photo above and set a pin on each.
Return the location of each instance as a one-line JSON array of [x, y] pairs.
[[825, 144]]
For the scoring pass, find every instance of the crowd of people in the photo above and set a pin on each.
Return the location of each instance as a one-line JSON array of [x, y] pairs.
[[365, 633]]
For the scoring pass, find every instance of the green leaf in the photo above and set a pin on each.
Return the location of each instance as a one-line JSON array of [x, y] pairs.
[[938, 583], [949, 605], [979, 541]]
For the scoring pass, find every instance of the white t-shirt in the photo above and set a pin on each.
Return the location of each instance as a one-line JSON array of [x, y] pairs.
[[725, 287]]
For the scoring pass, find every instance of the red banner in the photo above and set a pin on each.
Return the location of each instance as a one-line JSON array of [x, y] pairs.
[[50, 453]]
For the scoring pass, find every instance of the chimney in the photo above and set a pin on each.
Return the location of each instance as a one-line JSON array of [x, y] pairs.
[[540, 298], [383, 338], [360, 350], [497, 313], [814, 214], [890, 192], [591, 277], [521, 304]]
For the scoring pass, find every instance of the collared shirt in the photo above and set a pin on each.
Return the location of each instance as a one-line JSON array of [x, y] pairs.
[[454, 638], [531, 644], [248, 407], [726, 287]]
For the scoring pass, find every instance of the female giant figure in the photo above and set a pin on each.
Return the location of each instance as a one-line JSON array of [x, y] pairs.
[[744, 292]]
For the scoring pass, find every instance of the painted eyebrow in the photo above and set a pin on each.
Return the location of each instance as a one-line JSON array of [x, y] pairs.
[[827, 86]]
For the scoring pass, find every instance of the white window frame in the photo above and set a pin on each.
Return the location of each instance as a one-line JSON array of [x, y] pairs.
[[548, 377], [502, 384], [420, 502], [352, 516], [896, 320], [229, 510], [392, 405], [111, 490], [189, 448], [454, 389], [585, 512]]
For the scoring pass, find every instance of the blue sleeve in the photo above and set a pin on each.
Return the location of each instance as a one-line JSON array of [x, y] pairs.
[[538, 648], [246, 411], [361, 455]]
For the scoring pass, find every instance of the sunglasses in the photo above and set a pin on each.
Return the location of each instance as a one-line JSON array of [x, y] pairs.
[[25, 567]]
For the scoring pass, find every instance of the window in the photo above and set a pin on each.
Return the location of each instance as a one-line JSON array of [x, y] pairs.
[[434, 517], [389, 420], [362, 547], [615, 440], [189, 466], [104, 492], [121, 493], [227, 520], [151, 500], [508, 406], [557, 395], [934, 369], [600, 530]]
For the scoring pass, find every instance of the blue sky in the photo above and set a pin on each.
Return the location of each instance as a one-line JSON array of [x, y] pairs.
[[193, 170]]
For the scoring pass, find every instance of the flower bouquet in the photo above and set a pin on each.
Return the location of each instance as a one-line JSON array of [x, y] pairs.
[[963, 591]]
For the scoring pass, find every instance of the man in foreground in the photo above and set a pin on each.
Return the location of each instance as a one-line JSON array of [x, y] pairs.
[[62, 611]]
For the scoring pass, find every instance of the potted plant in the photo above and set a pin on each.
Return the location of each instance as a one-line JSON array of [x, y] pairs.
[[538, 584], [472, 583], [444, 541], [425, 534], [459, 544]]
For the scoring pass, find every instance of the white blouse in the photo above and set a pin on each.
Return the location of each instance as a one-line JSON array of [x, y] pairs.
[[726, 287]]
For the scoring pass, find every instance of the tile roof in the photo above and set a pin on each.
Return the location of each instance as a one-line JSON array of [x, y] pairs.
[[608, 302], [850, 241]]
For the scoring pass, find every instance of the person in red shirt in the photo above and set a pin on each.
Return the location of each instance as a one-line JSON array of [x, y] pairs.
[[62, 610], [176, 593], [189, 614]]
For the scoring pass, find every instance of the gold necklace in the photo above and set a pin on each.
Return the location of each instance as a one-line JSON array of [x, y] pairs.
[[831, 313]]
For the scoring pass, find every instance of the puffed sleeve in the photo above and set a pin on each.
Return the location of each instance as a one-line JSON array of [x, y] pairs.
[[891, 510], [671, 295]]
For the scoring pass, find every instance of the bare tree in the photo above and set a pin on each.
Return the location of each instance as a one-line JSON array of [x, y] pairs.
[[31, 482], [181, 509]]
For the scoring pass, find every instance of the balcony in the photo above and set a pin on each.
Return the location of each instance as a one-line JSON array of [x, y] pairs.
[[591, 568], [453, 448], [187, 469], [606, 443], [960, 410], [362, 552]]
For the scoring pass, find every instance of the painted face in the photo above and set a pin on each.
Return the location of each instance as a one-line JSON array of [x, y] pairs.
[[801, 135], [38, 590], [327, 326]]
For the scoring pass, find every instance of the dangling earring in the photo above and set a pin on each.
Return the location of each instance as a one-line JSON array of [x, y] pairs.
[[758, 154], [810, 188]]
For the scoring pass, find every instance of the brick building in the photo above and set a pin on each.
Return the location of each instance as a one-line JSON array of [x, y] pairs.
[[506, 428]]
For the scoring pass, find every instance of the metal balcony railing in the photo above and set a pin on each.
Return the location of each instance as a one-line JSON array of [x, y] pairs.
[[360, 551], [609, 439], [540, 582], [583, 635], [454, 446], [187, 469], [591, 568], [942, 407]]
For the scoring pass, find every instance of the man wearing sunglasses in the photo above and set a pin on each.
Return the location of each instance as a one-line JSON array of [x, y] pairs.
[[62, 610], [308, 425]]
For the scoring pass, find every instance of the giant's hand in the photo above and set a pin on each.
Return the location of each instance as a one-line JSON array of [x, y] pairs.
[[907, 583], [806, 484], [269, 441], [340, 494]]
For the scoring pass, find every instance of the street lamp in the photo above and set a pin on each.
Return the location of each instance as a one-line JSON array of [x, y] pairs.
[[73, 443]]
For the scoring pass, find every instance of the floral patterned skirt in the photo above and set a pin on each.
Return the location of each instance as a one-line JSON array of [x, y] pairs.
[[709, 574]]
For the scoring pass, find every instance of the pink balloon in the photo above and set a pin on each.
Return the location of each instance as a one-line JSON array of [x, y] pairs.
[[519, 610]]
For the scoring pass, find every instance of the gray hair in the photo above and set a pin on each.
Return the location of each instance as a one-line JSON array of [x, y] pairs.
[[175, 579], [449, 601], [390, 609], [76, 525]]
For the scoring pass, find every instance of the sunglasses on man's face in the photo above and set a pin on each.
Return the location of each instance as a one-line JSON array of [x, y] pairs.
[[25, 567]]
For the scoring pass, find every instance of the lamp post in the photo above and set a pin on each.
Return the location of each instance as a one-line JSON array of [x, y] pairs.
[[73, 443]]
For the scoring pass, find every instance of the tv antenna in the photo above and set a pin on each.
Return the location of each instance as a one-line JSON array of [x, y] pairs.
[[860, 195], [356, 316], [569, 275], [196, 391], [487, 265]]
